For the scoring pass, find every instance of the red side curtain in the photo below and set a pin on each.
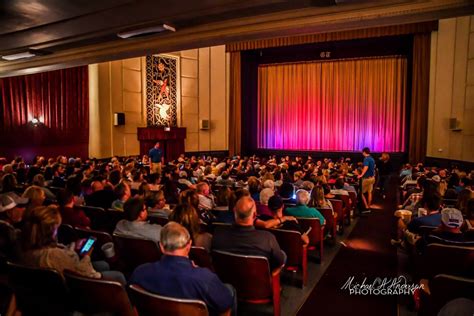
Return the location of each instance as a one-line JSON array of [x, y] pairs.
[[58, 99]]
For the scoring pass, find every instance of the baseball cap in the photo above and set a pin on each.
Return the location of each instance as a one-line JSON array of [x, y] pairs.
[[452, 217], [275, 202], [11, 200], [436, 178]]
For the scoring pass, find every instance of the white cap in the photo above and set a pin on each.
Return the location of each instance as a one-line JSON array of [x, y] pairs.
[[452, 217]]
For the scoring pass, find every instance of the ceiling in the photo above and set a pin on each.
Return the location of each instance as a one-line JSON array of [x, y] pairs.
[[77, 32]]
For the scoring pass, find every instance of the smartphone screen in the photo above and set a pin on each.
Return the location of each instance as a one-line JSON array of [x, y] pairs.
[[87, 245]]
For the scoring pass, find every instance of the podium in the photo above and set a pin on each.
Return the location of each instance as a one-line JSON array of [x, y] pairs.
[[171, 142]]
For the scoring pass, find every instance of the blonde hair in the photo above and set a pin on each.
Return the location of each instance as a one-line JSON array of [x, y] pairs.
[[40, 227], [187, 216], [317, 197], [35, 194]]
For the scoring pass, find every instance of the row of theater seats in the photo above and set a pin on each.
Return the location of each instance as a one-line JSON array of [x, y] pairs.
[[446, 271], [260, 286], [46, 292]]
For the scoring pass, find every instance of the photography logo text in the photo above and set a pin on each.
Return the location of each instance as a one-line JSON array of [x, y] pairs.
[[380, 286]]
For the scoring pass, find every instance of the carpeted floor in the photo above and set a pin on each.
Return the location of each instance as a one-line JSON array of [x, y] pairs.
[[367, 253]]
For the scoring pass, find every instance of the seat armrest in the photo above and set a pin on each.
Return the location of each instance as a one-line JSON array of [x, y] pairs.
[[277, 271]]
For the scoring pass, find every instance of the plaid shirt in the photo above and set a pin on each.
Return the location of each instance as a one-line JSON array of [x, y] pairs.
[[413, 199]]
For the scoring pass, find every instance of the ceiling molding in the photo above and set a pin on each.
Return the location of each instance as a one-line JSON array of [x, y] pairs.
[[288, 23]]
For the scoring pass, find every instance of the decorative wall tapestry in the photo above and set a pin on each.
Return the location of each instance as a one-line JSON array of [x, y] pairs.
[[161, 91]]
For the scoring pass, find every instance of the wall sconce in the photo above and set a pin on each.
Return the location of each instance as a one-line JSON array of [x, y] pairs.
[[35, 122]]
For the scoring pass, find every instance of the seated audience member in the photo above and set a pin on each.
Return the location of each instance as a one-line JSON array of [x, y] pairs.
[[12, 209], [433, 217], [327, 191], [123, 193], [184, 182], [206, 199], [224, 198], [58, 176], [464, 196], [176, 276], [115, 176], [339, 188], [40, 248], [286, 192], [39, 181], [100, 196], [307, 185], [154, 182], [464, 183], [470, 215], [270, 184], [243, 238], [302, 210], [135, 224], [254, 188], [262, 207], [298, 179], [187, 216], [450, 194], [144, 190], [415, 197], [8, 183], [35, 195], [450, 230], [156, 204], [73, 184], [275, 204], [225, 179], [189, 197], [318, 199], [70, 214]]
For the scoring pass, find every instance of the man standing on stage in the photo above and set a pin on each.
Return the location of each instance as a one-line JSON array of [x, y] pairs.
[[156, 159], [368, 178]]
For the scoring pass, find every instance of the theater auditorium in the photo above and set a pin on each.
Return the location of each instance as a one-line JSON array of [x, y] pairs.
[[222, 157]]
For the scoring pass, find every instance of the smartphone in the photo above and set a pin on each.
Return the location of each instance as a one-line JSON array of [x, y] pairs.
[[87, 245]]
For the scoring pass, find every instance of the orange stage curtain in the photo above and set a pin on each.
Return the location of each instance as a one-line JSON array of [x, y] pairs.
[[341, 105]]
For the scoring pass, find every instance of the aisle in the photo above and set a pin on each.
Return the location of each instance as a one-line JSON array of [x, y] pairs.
[[367, 253]]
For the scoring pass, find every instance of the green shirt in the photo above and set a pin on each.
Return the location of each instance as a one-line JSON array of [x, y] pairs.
[[305, 211]]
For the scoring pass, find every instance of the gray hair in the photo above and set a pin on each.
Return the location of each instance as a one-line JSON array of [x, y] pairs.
[[174, 236], [244, 208], [269, 184], [265, 195], [302, 197]]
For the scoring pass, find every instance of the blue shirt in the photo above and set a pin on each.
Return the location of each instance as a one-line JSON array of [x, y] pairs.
[[369, 162], [175, 276], [155, 154], [305, 211], [433, 220]]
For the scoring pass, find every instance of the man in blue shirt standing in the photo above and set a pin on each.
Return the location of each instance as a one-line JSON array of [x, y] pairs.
[[177, 276], [156, 159], [368, 178]]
